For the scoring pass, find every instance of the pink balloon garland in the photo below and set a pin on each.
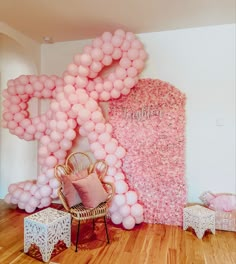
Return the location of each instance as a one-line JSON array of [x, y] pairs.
[[75, 103]]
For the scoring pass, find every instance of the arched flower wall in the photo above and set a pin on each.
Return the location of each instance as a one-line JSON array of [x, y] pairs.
[[150, 125], [74, 105]]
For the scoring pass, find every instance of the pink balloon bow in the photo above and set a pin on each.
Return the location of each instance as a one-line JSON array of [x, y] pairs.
[[74, 102]]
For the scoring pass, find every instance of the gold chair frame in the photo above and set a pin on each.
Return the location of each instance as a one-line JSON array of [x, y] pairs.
[[76, 162]]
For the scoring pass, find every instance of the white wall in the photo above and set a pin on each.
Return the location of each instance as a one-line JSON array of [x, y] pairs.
[[201, 63], [18, 158]]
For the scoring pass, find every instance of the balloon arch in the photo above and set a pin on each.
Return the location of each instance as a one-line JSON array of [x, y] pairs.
[[74, 103]]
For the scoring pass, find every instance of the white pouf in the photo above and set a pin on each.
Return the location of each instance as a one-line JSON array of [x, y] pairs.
[[200, 219], [45, 229]]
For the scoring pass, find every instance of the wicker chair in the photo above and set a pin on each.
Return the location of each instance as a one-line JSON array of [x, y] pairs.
[[76, 162]]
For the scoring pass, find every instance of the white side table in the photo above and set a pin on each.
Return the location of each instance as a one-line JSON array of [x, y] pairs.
[[45, 229], [200, 219]]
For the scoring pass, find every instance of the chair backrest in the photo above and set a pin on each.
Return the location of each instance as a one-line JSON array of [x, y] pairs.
[[78, 161]]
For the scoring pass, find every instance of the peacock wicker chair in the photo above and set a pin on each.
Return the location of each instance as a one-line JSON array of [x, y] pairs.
[[76, 162]]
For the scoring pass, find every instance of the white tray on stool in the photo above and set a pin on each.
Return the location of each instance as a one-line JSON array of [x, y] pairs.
[[200, 219], [45, 229]]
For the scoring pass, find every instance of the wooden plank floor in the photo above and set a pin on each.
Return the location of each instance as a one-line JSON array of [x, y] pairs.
[[145, 244]]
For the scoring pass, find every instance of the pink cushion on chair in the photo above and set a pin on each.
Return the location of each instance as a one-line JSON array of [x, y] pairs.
[[91, 191], [69, 191]]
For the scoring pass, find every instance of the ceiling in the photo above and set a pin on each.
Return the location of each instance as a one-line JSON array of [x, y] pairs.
[[65, 20]]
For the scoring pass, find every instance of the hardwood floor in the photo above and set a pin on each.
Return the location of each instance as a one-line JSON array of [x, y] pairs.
[[145, 244]]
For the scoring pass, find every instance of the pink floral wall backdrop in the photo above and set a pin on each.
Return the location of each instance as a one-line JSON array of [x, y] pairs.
[[150, 124]]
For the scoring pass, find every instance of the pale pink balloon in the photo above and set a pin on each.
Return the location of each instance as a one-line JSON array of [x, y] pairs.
[[7, 198], [128, 222], [124, 210], [60, 154], [136, 210], [104, 138], [89, 126], [81, 82], [83, 71], [70, 134], [12, 187], [120, 152], [42, 180], [31, 129], [33, 202], [115, 93], [111, 171], [84, 114], [118, 84], [121, 186], [51, 161], [72, 69], [29, 209], [23, 79], [45, 191], [68, 79], [83, 132], [53, 146], [56, 136], [19, 131], [97, 117], [106, 36], [14, 108], [97, 42], [138, 64], [25, 123], [91, 105], [116, 40], [97, 54], [121, 73], [105, 96], [107, 48], [94, 95], [109, 128], [62, 126], [92, 136], [96, 66], [100, 154], [95, 146], [12, 124], [139, 219], [131, 197], [116, 218], [25, 196], [111, 159], [65, 144], [54, 183], [107, 60], [119, 176], [46, 201], [119, 200], [85, 59]]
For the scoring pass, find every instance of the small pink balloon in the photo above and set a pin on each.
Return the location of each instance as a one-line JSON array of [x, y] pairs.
[[92, 136], [124, 210], [45, 191], [85, 59], [119, 199], [116, 218], [65, 144], [97, 54], [97, 117], [128, 222], [100, 154], [136, 210], [121, 186], [51, 161]]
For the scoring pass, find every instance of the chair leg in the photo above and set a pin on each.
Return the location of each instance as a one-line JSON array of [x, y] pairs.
[[77, 236], [105, 222]]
